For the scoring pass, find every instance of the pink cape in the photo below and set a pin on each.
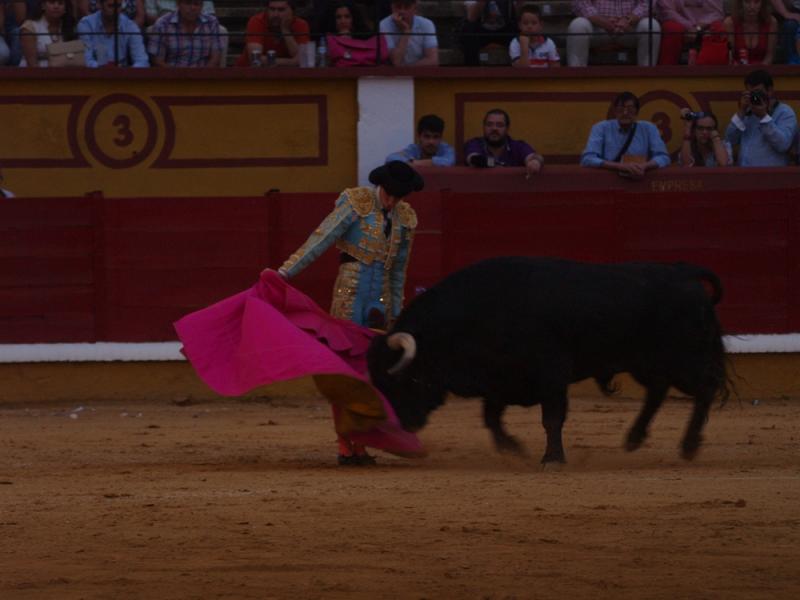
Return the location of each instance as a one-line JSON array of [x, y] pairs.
[[273, 332]]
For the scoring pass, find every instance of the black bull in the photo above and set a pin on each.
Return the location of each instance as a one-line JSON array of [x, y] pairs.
[[518, 331]]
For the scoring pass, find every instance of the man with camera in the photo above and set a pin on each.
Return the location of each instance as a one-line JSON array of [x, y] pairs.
[[763, 127], [497, 149]]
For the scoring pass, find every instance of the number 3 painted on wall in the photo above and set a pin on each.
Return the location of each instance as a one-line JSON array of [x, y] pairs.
[[125, 135]]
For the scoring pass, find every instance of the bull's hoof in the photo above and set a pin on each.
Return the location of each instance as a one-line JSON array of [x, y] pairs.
[[635, 440], [690, 448], [509, 445], [553, 457]]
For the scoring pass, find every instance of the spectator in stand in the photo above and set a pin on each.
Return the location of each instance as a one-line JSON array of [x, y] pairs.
[[681, 23], [429, 150], [5, 51], [625, 145], [763, 127], [133, 9], [153, 9], [12, 14], [98, 33], [372, 11], [54, 21], [497, 149], [4, 193], [185, 38], [276, 29], [486, 22], [411, 39], [531, 48], [349, 43], [752, 32], [789, 11], [604, 22], [702, 145], [795, 58]]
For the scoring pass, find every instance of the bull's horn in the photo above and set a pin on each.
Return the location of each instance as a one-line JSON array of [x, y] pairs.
[[406, 343]]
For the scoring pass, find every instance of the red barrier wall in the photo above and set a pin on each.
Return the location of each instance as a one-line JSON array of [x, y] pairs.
[[95, 269]]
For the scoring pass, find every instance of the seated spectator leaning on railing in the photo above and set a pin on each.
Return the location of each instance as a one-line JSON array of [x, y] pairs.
[[99, 33], [625, 145], [429, 150], [611, 22], [349, 43], [486, 23], [411, 39], [497, 149], [764, 128], [681, 23], [133, 9], [531, 48], [788, 47], [185, 38], [276, 29], [53, 21], [752, 32]]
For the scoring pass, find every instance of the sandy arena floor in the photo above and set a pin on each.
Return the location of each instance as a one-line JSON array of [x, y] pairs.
[[242, 500]]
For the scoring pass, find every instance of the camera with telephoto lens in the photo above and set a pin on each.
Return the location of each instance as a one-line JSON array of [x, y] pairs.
[[693, 116], [758, 97]]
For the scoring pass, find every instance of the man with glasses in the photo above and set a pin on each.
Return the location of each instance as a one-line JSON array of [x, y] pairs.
[[624, 144], [112, 42], [186, 38]]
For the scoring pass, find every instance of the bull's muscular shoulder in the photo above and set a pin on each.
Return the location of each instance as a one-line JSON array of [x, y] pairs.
[[362, 199], [407, 215]]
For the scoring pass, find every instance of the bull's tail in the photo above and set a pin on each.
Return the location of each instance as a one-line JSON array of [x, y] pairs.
[[703, 274]]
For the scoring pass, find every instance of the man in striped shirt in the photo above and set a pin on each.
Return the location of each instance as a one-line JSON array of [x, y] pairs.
[[186, 38]]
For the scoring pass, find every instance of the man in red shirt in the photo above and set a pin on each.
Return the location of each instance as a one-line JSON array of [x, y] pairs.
[[275, 29]]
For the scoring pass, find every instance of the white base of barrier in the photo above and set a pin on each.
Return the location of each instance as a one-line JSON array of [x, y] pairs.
[[170, 351]]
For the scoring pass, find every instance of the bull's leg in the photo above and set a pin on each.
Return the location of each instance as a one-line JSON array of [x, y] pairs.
[[554, 413], [493, 418], [638, 433], [693, 437]]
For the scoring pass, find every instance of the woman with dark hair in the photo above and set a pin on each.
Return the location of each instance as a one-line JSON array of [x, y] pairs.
[[349, 42], [752, 32], [53, 21], [702, 145]]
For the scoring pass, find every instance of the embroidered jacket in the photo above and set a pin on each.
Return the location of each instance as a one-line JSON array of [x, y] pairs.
[[374, 280]]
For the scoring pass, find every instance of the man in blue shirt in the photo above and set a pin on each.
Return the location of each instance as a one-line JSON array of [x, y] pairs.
[[97, 31], [411, 39], [763, 127], [429, 149], [625, 145]]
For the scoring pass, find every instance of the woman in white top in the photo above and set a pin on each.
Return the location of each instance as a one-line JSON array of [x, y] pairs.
[[54, 21]]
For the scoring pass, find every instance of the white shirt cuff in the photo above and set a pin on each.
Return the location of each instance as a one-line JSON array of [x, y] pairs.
[[766, 119], [737, 121]]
